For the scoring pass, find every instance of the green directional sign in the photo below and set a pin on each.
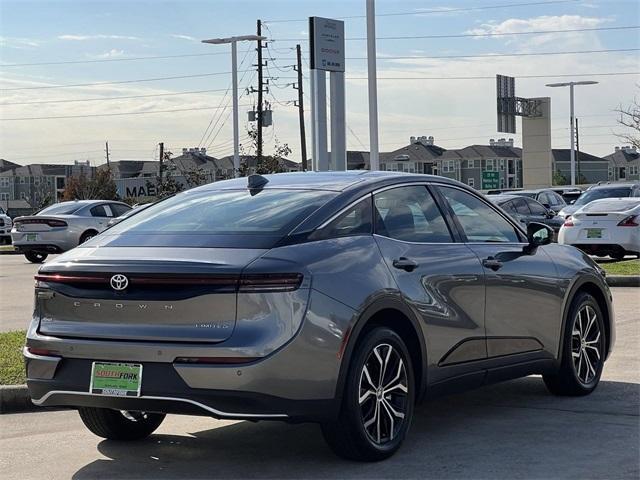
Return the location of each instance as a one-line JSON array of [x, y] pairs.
[[490, 180]]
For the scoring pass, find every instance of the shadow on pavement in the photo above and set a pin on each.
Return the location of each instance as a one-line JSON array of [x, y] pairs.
[[510, 430]]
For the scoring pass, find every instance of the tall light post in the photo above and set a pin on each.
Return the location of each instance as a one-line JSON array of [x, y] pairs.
[[374, 160], [234, 81], [572, 121]]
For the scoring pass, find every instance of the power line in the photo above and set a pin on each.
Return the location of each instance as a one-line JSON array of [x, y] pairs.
[[111, 114], [471, 35], [439, 10], [108, 60], [493, 77], [490, 55], [114, 98], [117, 82]]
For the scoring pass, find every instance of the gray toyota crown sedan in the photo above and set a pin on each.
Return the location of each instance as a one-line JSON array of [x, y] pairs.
[[338, 298]]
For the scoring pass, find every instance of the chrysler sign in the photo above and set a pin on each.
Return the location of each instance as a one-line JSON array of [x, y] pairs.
[[327, 44]]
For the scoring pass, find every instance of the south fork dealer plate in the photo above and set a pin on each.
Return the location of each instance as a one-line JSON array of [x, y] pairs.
[[120, 379]]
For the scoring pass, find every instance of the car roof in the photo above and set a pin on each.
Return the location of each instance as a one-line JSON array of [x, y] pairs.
[[501, 197], [614, 185], [332, 181]]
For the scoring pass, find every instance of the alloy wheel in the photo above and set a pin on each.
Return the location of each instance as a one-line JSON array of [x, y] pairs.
[[383, 394], [586, 344]]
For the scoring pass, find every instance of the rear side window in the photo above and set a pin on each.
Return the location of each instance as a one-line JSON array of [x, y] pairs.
[[99, 211], [479, 221], [226, 212], [410, 214], [536, 208], [521, 206], [356, 220]]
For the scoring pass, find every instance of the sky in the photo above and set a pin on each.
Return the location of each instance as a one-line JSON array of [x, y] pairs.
[[60, 59]]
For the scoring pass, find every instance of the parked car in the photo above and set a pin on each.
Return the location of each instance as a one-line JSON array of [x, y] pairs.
[[545, 196], [336, 297], [569, 195], [62, 226], [609, 226], [5, 227], [527, 210], [609, 190]]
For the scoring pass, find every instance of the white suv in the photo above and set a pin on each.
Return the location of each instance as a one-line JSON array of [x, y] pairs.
[[5, 227]]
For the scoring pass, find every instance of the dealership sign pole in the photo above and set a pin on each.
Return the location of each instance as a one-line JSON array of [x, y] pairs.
[[327, 55]]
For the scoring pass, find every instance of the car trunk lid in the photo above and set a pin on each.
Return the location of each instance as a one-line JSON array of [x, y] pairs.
[[147, 294]]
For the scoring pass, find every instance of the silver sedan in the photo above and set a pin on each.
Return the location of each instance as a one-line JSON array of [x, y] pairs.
[[63, 226]]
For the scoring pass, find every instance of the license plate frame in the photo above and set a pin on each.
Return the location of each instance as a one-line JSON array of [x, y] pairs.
[[118, 379], [31, 237], [594, 233]]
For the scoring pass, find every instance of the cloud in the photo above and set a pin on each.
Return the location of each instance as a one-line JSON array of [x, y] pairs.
[[184, 37], [96, 37], [18, 42], [541, 24], [113, 53]]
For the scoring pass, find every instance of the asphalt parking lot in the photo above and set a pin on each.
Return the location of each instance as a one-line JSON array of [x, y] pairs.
[[511, 430]]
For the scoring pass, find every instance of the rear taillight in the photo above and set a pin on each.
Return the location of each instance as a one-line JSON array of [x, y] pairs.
[[568, 222], [270, 282], [45, 221], [630, 221], [44, 352]]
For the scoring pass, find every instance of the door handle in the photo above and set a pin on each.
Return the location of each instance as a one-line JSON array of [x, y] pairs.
[[492, 263], [403, 263]]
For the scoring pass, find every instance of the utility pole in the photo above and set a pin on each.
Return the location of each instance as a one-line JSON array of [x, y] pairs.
[[577, 151], [107, 151], [303, 139], [160, 165], [260, 80], [374, 161]]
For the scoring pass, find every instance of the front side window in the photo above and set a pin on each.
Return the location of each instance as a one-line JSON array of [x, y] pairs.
[[479, 221], [536, 208], [521, 206], [410, 214]]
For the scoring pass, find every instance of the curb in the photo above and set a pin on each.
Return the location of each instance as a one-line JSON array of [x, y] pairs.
[[9, 252], [623, 280], [15, 398]]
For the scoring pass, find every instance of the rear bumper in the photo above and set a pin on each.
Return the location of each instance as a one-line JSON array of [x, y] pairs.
[[49, 242], [37, 247], [163, 390]]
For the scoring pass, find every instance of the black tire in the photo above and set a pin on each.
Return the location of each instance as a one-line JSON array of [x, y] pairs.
[[581, 379], [36, 257], [88, 235], [117, 425], [348, 436]]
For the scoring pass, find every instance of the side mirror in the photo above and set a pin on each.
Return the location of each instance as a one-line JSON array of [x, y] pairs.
[[551, 213], [538, 234]]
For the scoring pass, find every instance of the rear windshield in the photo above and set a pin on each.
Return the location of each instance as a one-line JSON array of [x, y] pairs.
[[236, 212], [61, 209], [591, 195], [612, 205]]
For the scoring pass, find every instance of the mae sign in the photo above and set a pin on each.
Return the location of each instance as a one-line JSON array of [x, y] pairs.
[[326, 44]]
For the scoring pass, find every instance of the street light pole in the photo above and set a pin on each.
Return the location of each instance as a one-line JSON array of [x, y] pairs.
[[234, 80], [572, 121]]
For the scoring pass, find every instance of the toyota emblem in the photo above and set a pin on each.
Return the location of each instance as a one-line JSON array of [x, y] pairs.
[[119, 282]]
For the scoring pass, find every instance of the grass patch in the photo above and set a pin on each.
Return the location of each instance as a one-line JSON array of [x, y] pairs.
[[625, 267], [11, 362], [6, 248]]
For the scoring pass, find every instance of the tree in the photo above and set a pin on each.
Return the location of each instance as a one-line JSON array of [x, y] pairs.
[[100, 187], [269, 163], [558, 178], [630, 118]]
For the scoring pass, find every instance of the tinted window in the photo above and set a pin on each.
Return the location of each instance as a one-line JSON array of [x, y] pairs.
[[508, 207], [480, 222], [521, 206], [119, 209], [99, 211], [230, 212], [354, 221], [536, 208], [544, 198], [591, 195], [410, 214], [557, 200], [61, 209]]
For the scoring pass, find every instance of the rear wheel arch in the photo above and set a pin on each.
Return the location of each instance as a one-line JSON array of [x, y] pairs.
[[395, 315], [588, 285], [90, 232]]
